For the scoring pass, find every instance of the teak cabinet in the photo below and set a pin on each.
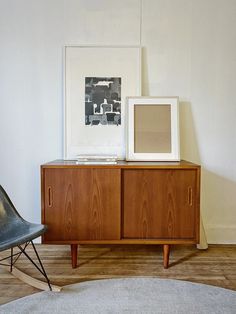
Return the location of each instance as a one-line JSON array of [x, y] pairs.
[[125, 203]]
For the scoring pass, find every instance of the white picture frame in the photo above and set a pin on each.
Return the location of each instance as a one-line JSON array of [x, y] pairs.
[[152, 129], [80, 64]]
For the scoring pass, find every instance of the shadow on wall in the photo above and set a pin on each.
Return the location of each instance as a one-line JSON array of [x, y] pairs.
[[218, 194], [188, 139], [219, 207]]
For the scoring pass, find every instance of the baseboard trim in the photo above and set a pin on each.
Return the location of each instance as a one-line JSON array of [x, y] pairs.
[[220, 234]]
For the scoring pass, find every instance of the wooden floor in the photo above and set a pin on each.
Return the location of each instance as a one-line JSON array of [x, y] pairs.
[[215, 266]]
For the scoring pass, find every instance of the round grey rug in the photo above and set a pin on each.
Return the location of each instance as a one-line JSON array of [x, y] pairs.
[[130, 295]]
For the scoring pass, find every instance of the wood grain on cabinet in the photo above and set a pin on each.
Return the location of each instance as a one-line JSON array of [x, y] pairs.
[[159, 204], [82, 204], [125, 203]]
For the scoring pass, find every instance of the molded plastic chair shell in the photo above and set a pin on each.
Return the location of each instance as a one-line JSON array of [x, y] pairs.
[[14, 230]]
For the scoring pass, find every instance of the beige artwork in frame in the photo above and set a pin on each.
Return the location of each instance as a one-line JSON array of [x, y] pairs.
[[152, 129]]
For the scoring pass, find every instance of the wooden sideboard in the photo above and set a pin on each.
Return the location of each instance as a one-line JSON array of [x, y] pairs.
[[125, 203]]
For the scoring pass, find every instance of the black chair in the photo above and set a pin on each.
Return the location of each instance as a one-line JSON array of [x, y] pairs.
[[17, 232]]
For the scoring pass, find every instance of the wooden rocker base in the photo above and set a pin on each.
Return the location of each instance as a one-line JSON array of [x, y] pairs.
[[30, 280], [10, 266]]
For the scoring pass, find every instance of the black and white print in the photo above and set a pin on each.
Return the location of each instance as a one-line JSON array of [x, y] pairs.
[[102, 101]]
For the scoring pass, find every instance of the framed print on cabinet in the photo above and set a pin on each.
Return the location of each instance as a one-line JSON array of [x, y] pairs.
[[152, 129], [97, 81]]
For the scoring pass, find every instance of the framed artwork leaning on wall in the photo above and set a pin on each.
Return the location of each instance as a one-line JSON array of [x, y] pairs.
[[152, 129], [97, 81]]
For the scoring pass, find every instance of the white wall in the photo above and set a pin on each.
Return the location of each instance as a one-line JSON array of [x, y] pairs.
[[189, 51]]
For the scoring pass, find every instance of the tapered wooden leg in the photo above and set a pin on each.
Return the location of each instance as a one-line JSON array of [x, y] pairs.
[[166, 253], [74, 250]]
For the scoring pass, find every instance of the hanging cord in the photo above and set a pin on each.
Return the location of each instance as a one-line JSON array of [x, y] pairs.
[[141, 23], [140, 36]]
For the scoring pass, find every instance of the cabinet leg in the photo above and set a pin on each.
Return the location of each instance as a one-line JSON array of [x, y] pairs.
[[74, 250], [166, 254]]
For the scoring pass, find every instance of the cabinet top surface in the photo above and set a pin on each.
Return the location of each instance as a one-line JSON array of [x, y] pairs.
[[60, 163]]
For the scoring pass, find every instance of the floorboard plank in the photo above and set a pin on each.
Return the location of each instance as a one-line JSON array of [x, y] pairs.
[[215, 266]]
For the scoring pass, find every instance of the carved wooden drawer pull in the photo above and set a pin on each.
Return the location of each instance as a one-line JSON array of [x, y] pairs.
[[50, 199], [190, 196]]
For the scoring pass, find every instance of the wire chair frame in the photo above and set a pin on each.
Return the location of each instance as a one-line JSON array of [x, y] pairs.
[[13, 257]]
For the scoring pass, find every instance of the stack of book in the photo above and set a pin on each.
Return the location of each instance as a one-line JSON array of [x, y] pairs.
[[96, 159]]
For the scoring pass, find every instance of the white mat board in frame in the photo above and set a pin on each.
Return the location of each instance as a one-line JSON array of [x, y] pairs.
[[152, 129], [91, 128]]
